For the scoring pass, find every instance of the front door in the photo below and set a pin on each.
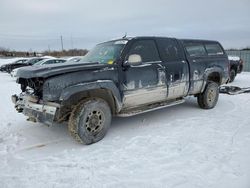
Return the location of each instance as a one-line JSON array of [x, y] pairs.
[[145, 83]]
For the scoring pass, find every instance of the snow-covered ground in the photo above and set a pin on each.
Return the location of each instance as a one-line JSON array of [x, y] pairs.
[[181, 146]]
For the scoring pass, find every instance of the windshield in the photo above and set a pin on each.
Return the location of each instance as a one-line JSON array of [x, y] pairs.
[[105, 53]]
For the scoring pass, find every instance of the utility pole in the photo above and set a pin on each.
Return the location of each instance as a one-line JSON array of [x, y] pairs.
[[62, 42]]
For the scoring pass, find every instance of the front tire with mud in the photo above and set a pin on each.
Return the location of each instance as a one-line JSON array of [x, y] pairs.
[[90, 120], [209, 98]]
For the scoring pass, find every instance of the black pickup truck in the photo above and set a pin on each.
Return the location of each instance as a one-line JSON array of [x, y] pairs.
[[122, 77]]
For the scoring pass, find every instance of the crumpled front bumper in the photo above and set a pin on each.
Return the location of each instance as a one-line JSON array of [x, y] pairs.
[[36, 112]]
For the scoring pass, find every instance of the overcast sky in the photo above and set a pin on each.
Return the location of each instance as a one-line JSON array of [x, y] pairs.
[[38, 24]]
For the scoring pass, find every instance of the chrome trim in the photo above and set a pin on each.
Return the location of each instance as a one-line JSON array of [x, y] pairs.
[[24, 101], [152, 62], [41, 108]]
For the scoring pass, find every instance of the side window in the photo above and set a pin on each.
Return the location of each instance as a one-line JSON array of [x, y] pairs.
[[170, 50], [36, 60], [146, 49], [49, 62], [196, 50], [214, 49], [59, 61]]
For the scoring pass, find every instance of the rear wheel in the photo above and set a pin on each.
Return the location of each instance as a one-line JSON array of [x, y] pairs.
[[209, 98], [90, 121], [240, 69], [232, 75]]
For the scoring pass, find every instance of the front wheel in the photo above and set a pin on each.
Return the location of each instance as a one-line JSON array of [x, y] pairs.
[[90, 120], [209, 98]]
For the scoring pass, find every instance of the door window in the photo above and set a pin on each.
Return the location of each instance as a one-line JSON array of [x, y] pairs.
[[196, 50], [170, 50], [214, 49], [49, 62], [146, 49]]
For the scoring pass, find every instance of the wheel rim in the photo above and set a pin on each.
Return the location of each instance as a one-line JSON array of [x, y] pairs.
[[211, 96], [94, 122]]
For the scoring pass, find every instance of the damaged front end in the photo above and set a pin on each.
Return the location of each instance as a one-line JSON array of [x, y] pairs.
[[30, 102]]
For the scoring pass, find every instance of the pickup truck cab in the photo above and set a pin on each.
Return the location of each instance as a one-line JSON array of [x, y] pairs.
[[122, 77]]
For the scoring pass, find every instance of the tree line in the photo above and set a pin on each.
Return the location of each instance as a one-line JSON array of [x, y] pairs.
[[13, 53]]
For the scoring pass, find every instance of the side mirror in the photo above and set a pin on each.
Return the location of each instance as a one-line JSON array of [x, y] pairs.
[[134, 59]]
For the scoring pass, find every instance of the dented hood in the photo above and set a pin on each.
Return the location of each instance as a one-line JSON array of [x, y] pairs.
[[44, 71]]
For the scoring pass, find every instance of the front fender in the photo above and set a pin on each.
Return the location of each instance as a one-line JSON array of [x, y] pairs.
[[100, 84]]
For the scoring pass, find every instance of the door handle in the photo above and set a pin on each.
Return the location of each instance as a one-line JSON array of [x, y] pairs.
[[161, 67]]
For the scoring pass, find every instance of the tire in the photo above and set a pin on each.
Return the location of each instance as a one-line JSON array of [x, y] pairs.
[[232, 75], [240, 68], [209, 98], [90, 120]]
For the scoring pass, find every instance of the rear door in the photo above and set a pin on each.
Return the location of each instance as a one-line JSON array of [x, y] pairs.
[[198, 60], [176, 67]]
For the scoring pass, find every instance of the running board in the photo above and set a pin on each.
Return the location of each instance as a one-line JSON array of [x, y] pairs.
[[148, 108]]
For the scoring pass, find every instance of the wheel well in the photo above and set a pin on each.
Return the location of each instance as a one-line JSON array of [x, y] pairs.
[[215, 77], [68, 105], [234, 67]]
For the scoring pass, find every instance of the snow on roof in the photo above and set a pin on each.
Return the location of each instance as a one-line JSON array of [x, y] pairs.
[[233, 58]]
